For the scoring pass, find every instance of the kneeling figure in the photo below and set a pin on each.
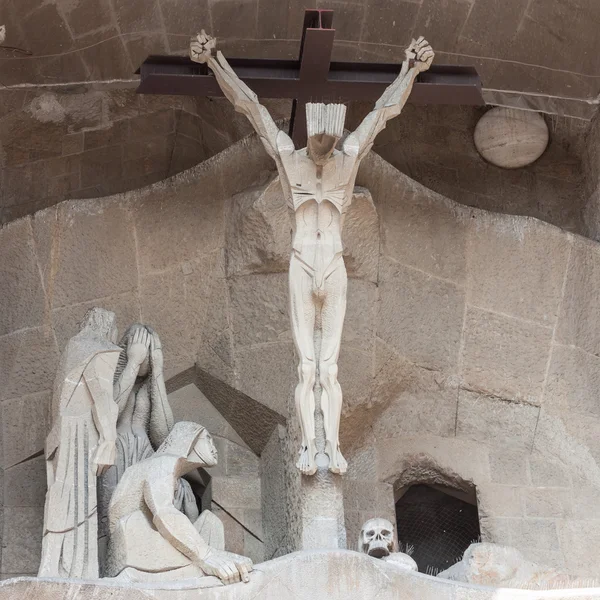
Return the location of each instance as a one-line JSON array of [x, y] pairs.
[[150, 539]]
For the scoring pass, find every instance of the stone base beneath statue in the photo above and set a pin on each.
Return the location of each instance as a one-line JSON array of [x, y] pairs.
[[308, 575]]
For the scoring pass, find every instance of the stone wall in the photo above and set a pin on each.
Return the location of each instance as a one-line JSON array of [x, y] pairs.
[[591, 165], [470, 349], [90, 143], [434, 145]]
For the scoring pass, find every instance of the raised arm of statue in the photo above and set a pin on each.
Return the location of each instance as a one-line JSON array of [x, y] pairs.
[[392, 101], [135, 354], [161, 415], [244, 100], [98, 376]]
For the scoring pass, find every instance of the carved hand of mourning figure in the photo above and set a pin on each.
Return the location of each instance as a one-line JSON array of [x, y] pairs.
[[137, 351], [202, 46], [227, 566], [421, 51], [377, 540], [104, 457]]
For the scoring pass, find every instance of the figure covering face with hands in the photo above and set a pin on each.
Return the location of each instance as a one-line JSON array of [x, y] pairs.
[[145, 416], [318, 183], [80, 446], [150, 539]]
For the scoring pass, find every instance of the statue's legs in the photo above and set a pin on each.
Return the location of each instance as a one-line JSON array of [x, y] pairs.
[[302, 311], [332, 318]]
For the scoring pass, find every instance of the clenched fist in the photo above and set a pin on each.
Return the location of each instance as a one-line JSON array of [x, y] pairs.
[[421, 51], [201, 47]]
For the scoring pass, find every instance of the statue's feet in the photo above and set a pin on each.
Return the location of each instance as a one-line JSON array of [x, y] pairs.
[[306, 463], [337, 463]]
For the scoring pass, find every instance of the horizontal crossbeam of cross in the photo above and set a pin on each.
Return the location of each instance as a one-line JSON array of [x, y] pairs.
[[312, 78]]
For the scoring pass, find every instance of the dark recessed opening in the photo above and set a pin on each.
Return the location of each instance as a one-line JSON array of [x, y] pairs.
[[436, 525]]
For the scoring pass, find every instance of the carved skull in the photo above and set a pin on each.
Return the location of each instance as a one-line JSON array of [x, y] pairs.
[[377, 538]]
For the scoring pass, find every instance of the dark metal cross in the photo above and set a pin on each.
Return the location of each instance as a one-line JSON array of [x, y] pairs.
[[311, 78]]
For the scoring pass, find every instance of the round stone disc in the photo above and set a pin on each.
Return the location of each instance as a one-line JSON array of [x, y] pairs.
[[511, 138]]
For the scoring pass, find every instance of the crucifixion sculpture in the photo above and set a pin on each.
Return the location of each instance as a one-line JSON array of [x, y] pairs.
[[318, 183]]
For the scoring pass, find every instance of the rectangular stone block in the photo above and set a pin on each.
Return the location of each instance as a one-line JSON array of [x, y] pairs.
[[503, 356], [420, 316], [237, 492], [25, 484], [259, 308], [268, 373], [517, 266], [548, 502], [496, 422], [25, 424], [578, 322], [534, 534], [546, 471], [23, 299], [573, 381], [97, 253], [509, 466], [579, 541], [423, 402], [22, 539], [495, 500], [420, 228]]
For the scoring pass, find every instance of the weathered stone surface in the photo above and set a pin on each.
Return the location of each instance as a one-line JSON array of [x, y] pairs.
[[546, 471], [420, 316], [548, 502], [25, 424], [22, 539], [503, 356], [97, 253], [260, 309], [500, 500], [176, 302], [426, 403], [516, 267], [579, 322], [573, 380], [259, 231], [420, 228], [445, 461], [273, 387], [361, 237], [25, 484], [493, 421], [24, 302], [317, 575], [509, 466], [197, 224], [29, 360], [579, 539]]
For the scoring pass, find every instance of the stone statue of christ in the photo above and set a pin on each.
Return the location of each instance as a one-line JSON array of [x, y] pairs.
[[318, 183]]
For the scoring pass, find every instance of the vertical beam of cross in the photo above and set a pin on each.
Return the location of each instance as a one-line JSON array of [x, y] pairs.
[[315, 58]]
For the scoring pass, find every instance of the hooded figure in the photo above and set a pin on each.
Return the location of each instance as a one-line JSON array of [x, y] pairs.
[[150, 539]]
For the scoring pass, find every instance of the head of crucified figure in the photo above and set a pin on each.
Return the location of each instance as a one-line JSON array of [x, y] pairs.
[[325, 127]]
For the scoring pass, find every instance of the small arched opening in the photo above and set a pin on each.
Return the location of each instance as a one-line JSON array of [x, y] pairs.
[[436, 524]]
